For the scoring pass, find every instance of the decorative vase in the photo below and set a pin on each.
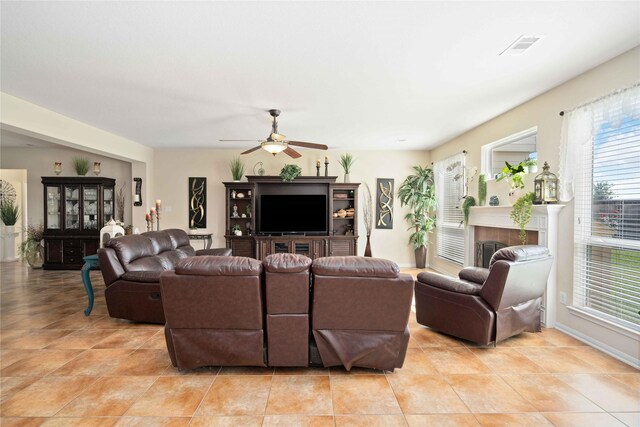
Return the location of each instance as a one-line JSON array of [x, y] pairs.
[[35, 259], [347, 178], [367, 249], [421, 257], [515, 194]]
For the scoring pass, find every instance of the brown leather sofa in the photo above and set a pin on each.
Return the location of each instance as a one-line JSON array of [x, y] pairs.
[[131, 266], [360, 312], [487, 305], [213, 310]]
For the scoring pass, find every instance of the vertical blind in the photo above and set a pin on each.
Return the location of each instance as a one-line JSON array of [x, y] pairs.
[[449, 191], [607, 209]]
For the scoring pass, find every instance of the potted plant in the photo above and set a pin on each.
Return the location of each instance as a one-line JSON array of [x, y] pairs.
[[466, 206], [513, 174], [236, 230], [31, 249], [290, 172], [482, 189], [81, 165], [418, 193], [237, 168], [530, 165], [521, 214], [9, 214], [346, 161]]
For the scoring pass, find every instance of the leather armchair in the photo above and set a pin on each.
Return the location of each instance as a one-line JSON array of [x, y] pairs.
[[487, 305], [213, 308], [360, 312]]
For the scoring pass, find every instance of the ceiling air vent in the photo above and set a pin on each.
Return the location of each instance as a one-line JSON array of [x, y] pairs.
[[519, 46]]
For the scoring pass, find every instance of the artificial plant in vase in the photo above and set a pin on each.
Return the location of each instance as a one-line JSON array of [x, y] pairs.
[[9, 213], [367, 213], [466, 207], [81, 165], [346, 161], [290, 172], [482, 189], [418, 193], [513, 174], [31, 249], [521, 212], [237, 168]]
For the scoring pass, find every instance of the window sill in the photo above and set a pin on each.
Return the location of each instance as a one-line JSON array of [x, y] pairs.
[[622, 330]]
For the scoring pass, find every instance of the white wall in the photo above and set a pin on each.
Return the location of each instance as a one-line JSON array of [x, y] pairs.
[[38, 162], [543, 112], [174, 167]]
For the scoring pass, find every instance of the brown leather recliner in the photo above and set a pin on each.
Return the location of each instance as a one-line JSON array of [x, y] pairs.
[[360, 312], [131, 267], [213, 309], [487, 305]]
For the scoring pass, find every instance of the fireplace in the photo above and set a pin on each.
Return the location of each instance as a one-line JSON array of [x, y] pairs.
[[488, 240], [485, 250]]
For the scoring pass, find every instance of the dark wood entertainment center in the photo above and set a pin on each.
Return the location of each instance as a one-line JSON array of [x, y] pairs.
[[342, 235]]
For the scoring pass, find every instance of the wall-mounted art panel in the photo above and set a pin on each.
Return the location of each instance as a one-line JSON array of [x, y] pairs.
[[197, 202], [384, 203]]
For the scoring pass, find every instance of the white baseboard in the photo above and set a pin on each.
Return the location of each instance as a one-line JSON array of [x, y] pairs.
[[623, 357]]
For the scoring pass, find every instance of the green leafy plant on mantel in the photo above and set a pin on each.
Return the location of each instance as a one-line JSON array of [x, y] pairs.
[[482, 189], [514, 174], [237, 168], [81, 165], [9, 213], [290, 172], [521, 212], [466, 206]]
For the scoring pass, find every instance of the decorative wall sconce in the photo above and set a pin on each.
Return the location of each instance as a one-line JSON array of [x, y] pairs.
[[57, 167], [96, 168], [137, 197]]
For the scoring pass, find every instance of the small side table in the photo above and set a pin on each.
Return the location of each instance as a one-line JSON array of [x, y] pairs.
[[206, 238], [90, 263]]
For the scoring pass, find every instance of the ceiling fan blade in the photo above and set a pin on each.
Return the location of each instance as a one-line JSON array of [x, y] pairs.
[[308, 145], [292, 153], [239, 140], [251, 150]]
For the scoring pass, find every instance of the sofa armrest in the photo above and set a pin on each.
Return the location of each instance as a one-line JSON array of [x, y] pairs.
[[474, 274], [449, 283], [142, 276], [215, 251]]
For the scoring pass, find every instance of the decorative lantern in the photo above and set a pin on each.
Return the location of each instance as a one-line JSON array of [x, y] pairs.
[[546, 187], [110, 231]]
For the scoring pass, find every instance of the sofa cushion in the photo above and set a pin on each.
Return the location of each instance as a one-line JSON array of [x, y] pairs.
[[219, 266], [178, 237], [519, 253], [449, 283], [160, 240], [132, 248], [142, 276], [286, 263], [474, 274], [354, 266]]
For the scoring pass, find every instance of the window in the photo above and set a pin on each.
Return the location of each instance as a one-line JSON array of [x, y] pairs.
[[450, 176], [607, 208], [513, 149]]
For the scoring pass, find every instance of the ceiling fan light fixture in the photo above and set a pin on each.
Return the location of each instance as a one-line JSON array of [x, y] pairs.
[[277, 136], [274, 147]]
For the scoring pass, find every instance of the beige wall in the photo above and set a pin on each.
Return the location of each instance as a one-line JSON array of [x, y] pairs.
[[543, 112], [174, 167], [38, 162]]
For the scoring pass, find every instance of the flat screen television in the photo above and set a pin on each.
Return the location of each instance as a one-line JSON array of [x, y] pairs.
[[292, 213]]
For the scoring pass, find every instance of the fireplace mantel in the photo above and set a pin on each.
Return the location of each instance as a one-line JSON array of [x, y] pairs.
[[544, 220]]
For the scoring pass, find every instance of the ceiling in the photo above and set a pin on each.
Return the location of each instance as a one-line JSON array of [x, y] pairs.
[[352, 75]]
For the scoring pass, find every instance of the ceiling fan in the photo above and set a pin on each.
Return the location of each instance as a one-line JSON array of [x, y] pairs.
[[277, 143]]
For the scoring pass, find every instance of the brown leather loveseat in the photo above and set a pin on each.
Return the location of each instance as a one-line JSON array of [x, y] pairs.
[[348, 311], [487, 305], [131, 266]]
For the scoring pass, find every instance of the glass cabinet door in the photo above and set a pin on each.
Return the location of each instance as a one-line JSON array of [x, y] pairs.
[[90, 207], [72, 207], [108, 204], [53, 207]]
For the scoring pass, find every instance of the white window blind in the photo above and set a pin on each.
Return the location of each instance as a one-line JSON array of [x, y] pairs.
[[449, 191], [607, 209]]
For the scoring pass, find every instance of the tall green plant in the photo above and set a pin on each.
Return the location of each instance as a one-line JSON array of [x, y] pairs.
[[418, 193], [9, 213], [482, 189], [237, 168], [346, 161], [521, 212]]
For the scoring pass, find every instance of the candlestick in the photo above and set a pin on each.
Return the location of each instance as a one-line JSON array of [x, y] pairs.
[[326, 166], [318, 168], [148, 219], [158, 202]]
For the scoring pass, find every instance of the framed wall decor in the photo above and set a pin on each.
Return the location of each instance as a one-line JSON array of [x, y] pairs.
[[384, 203], [197, 202]]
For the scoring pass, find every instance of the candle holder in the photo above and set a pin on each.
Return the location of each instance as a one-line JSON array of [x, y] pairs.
[[326, 166], [158, 219], [318, 169], [148, 223]]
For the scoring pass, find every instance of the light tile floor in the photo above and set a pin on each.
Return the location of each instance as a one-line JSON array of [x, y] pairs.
[[60, 368]]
